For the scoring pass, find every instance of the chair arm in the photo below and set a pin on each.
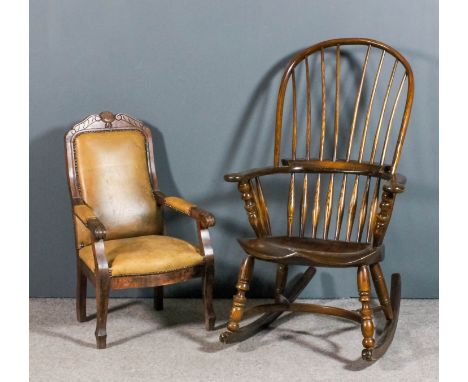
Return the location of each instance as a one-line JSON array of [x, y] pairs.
[[87, 216], [205, 218], [245, 176], [309, 166]]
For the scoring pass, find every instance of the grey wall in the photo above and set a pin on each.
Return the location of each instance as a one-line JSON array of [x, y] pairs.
[[204, 76]]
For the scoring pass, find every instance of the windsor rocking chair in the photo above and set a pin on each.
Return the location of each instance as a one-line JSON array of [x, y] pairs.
[[341, 169], [117, 212]]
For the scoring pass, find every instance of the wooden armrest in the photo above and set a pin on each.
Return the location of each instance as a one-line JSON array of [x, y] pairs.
[[205, 218], [395, 184], [87, 216], [338, 166], [313, 166], [253, 173]]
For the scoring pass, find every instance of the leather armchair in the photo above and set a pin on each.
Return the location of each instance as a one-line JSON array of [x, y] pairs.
[[118, 217]]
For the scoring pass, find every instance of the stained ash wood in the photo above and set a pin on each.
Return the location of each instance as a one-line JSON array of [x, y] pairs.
[[360, 193]]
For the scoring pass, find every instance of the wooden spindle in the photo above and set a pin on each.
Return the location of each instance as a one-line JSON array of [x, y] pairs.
[[316, 205], [382, 112], [373, 210], [352, 208], [329, 202], [291, 204], [304, 206], [337, 103], [354, 195], [292, 186], [356, 105], [369, 108], [363, 210], [294, 132], [390, 121], [304, 200], [340, 210], [328, 207], [341, 201], [324, 105], [309, 107]]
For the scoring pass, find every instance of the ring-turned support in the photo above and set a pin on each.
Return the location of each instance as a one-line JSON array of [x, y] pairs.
[[367, 324], [238, 301], [386, 338]]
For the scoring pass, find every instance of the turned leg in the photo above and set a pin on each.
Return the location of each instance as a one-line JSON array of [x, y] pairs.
[[81, 284], [102, 302], [281, 278], [367, 324], [381, 289], [158, 298], [208, 278], [238, 301]]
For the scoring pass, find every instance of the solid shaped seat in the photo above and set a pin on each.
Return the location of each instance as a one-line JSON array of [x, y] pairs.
[[144, 255], [309, 251]]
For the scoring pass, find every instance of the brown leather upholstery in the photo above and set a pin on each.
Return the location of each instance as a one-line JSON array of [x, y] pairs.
[[83, 235], [145, 254], [316, 252], [114, 180], [179, 204]]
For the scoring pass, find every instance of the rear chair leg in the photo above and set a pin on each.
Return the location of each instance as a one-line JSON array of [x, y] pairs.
[[281, 278], [367, 324], [207, 281], [158, 299], [382, 291], [238, 301], [81, 284]]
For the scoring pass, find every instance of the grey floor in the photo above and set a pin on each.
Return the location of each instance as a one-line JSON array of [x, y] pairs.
[[144, 345]]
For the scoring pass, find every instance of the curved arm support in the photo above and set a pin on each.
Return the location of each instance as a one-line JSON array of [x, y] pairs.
[[395, 185], [205, 244], [101, 265], [204, 218], [87, 216]]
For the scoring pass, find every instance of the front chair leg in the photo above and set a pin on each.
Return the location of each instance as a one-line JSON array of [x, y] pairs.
[[367, 324], [208, 277], [239, 300], [81, 285], [158, 299], [102, 302]]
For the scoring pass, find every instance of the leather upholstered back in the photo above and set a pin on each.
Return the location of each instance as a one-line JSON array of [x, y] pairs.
[[114, 180]]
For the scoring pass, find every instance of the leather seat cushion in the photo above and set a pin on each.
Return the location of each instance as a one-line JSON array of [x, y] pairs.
[[145, 255]]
